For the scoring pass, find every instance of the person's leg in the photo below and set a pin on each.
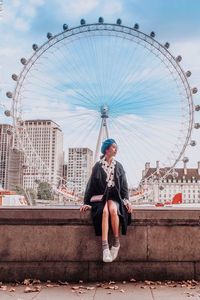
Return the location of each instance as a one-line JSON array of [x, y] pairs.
[[105, 225], [105, 217], [112, 208]]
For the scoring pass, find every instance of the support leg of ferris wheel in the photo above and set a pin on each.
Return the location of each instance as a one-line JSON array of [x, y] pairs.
[[103, 133]]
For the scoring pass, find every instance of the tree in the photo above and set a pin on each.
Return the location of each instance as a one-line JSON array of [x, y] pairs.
[[44, 191], [19, 190], [30, 194], [33, 195]]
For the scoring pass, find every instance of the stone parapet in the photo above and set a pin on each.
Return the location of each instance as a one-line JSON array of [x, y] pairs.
[[60, 243]]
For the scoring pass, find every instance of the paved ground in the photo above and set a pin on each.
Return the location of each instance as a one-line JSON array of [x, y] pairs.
[[148, 290]]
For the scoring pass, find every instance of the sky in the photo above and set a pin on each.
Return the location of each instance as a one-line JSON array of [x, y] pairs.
[[24, 22]]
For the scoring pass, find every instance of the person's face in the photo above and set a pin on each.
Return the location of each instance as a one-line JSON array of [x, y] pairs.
[[112, 150]]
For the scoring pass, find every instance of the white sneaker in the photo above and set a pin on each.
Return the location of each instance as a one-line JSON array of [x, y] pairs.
[[107, 255], [114, 252]]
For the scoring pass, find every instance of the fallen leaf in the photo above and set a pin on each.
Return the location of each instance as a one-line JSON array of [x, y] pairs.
[[12, 290], [32, 289], [132, 280], [3, 288], [52, 285], [194, 281], [111, 287], [90, 288], [63, 283], [49, 285], [36, 281], [122, 291], [27, 281], [148, 282], [99, 285], [75, 287], [124, 282]]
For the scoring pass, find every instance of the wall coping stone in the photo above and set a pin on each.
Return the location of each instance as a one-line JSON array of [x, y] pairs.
[[70, 215]]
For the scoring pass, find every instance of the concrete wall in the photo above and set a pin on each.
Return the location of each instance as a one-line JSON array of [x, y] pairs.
[[59, 243]]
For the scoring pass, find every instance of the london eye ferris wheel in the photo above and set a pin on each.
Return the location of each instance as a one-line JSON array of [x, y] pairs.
[[108, 80]]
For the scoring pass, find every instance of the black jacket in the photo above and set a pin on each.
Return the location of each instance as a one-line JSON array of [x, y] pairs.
[[96, 186]]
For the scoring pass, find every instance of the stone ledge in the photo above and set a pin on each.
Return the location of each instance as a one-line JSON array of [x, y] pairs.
[[97, 271], [71, 215], [59, 243]]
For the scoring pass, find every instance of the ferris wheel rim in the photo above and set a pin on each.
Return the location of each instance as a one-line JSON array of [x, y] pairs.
[[116, 28]]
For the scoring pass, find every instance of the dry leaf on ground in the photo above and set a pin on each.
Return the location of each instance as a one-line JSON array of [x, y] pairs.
[[63, 282], [90, 288], [32, 289]]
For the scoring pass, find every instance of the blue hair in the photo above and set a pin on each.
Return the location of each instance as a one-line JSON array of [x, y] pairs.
[[106, 144]]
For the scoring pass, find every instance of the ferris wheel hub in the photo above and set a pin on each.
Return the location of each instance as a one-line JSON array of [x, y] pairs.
[[104, 111]]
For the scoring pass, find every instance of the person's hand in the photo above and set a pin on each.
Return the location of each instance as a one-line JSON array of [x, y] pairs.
[[85, 207], [129, 207]]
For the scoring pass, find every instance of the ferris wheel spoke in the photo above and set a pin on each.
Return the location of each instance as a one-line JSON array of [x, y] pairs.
[[75, 77], [135, 71], [126, 80], [81, 98], [151, 142], [119, 61], [140, 131], [85, 62], [78, 89], [147, 98], [145, 90], [94, 52], [110, 59], [86, 129], [145, 80], [135, 157]]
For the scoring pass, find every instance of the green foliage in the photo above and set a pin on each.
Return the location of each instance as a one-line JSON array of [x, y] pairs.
[[44, 191], [19, 190]]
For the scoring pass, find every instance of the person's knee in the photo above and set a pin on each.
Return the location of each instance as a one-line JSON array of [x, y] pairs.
[[113, 211], [105, 212]]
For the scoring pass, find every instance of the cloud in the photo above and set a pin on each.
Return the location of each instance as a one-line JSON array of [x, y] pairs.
[[30, 8], [113, 7], [20, 14], [76, 8], [22, 25]]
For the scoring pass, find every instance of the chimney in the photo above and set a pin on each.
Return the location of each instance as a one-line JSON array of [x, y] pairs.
[[198, 167], [185, 168], [157, 166], [147, 166]]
